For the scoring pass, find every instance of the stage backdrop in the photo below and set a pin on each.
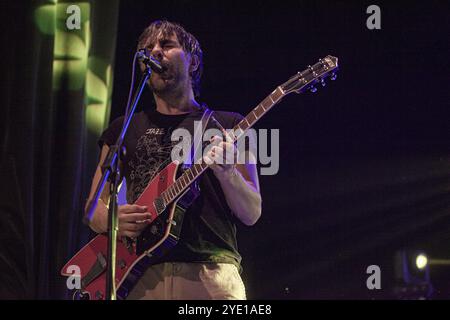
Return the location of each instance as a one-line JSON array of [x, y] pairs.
[[57, 72]]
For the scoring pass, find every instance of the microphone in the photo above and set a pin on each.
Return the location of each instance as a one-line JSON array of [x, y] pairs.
[[150, 61]]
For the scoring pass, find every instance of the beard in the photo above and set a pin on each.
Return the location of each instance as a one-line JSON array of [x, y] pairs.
[[168, 82], [161, 86]]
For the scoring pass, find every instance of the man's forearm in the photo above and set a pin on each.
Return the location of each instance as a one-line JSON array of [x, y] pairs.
[[99, 221], [242, 197]]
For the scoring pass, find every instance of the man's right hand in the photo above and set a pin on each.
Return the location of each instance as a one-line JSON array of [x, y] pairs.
[[132, 220]]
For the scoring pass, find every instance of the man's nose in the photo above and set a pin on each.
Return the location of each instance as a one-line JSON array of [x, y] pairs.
[[157, 52]]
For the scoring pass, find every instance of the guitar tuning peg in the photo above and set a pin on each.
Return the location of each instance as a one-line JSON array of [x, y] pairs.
[[312, 89], [322, 82], [333, 76]]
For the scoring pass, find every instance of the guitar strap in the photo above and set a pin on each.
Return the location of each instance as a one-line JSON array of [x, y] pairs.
[[197, 142]]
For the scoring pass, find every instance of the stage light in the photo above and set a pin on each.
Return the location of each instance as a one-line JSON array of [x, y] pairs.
[[73, 65], [421, 261], [412, 275]]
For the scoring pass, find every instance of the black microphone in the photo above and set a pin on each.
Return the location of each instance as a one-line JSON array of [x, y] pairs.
[[150, 61]]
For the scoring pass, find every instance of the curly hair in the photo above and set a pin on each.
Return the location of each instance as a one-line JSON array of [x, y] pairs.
[[189, 43]]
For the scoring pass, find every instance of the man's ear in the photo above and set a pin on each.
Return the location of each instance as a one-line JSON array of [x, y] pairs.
[[194, 63]]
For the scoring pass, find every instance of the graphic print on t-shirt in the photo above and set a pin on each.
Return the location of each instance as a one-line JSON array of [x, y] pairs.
[[151, 152]]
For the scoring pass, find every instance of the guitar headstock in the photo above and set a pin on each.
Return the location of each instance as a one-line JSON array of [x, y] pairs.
[[308, 78]]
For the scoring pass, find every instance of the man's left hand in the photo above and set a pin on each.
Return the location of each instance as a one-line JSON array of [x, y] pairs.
[[222, 157]]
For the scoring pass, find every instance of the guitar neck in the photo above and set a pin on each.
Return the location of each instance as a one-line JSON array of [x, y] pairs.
[[298, 83], [197, 169], [257, 113]]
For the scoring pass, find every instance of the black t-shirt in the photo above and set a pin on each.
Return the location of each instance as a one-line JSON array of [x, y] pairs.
[[209, 227]]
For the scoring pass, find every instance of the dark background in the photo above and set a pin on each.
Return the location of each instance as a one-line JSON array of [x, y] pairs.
[[364, 162]]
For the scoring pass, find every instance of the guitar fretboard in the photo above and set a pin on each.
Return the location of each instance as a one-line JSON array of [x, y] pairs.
[[192, 173]]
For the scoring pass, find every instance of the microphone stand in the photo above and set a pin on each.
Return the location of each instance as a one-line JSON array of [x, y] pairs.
[[111, 173]]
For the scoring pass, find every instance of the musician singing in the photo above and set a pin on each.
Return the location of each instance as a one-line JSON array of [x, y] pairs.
[[205, 264]]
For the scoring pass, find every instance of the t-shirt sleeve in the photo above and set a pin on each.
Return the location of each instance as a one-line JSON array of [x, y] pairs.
[[110, 135]]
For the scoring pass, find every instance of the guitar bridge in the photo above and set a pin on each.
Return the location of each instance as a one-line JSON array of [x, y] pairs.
[[159, 204]]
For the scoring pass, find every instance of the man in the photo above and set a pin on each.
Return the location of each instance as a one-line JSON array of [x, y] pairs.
[[205, 264]]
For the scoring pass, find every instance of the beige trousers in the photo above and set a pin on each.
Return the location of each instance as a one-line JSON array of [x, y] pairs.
[[189, 281]]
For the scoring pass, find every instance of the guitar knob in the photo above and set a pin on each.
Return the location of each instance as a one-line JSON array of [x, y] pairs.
[[122, 264], [322, 82], [99, 295], [312, 89], [333, 76], [153, 229]]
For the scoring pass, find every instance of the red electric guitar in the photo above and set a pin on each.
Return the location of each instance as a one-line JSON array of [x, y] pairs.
[[168, 196]]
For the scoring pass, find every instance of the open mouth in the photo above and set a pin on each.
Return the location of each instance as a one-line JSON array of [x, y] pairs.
[[165, 66], [165, 75]]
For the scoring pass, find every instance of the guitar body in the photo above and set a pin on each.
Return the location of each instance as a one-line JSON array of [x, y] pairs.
[[132, 259]]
